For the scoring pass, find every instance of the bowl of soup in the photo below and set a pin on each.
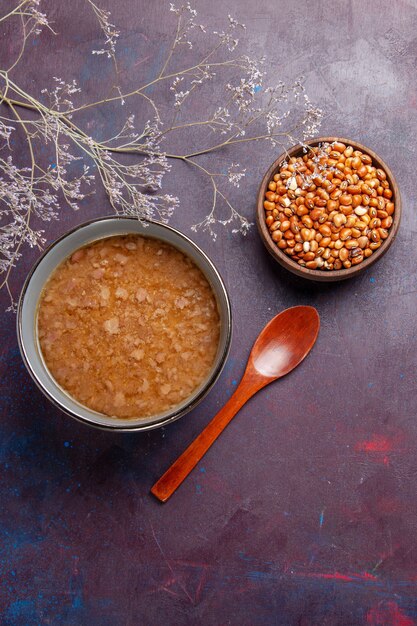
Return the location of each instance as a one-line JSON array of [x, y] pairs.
[[124, 325]]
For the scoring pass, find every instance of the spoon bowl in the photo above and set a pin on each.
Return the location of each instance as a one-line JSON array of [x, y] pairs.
[[285, 342], [280, 347]]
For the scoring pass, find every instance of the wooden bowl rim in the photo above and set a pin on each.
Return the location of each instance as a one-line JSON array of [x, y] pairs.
[[320, 275]]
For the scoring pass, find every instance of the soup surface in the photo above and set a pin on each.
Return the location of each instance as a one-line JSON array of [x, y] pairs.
[[128, 326]]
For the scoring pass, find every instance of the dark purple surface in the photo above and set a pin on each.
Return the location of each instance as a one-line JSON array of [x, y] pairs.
[[304, 511]]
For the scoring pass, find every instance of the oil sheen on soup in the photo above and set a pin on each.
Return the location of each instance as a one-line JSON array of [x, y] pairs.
[[128, 326]]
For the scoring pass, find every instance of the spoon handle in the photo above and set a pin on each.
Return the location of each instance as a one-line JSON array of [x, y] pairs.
[[180, 469]]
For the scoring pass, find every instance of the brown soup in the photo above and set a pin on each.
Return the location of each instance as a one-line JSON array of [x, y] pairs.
[[128, 326]]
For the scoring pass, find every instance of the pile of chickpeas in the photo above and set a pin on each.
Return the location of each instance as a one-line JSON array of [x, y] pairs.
[[330, 208]]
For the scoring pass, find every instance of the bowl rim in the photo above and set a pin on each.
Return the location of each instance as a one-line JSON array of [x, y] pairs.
[[320, 275], [134, 425]]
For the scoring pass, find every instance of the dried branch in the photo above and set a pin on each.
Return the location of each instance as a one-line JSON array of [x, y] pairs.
[[250, 112]]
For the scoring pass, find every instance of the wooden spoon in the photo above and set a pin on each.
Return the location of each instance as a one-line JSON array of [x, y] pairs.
[[281, 346]]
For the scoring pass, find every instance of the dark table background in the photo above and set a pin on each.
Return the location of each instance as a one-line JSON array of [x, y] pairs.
[[305, 511]]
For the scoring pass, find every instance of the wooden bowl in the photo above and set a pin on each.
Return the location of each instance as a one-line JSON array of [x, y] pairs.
[[323, 275]]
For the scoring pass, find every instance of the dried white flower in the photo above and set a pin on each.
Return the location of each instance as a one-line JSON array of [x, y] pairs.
[[250, 111], [109, 30], [235, 174]]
